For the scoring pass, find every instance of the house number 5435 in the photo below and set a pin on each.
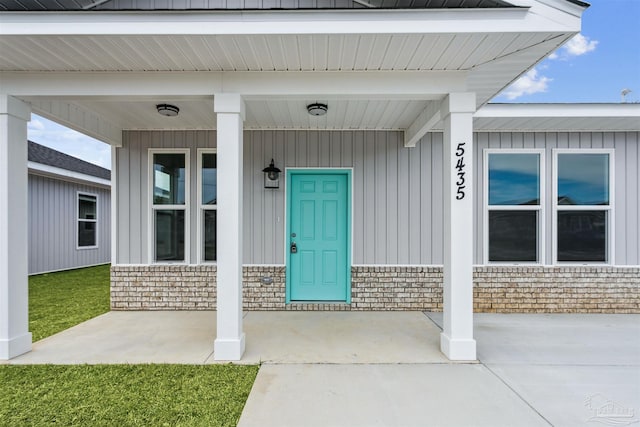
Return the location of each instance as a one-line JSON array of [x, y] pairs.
[[460, 168]]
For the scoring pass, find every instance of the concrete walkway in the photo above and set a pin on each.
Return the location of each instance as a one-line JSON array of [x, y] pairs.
[[535, 370], [385, 368]]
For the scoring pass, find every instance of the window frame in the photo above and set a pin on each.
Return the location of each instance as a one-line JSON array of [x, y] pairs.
[[78, 220], [540, 208], [202, 208], [610, 208], [152, 207]]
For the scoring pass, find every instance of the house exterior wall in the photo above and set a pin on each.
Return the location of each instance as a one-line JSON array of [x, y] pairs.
[[397, 192], [53, 225], [397, 196], [626, 146], [397, 226], [388, 288]]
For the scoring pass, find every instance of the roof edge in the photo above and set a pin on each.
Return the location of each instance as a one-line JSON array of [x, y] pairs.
[[594, 109], [54, 172]]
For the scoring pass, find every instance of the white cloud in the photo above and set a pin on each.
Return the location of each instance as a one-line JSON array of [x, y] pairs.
[[579, 45], [35, 124], [68, 141], [528, 84]]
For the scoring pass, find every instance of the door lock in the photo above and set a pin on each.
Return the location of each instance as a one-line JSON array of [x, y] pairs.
[[294, 248]]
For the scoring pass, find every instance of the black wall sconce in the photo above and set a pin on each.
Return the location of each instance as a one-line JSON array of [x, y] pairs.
[[271, 176]]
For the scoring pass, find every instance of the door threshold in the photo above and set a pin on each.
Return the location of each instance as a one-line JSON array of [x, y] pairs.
[[318, 306], [320, 302]]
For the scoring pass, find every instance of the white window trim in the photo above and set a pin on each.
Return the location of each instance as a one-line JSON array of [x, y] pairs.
[[152, 208], [86, 193], [541, 208], [610, 242], [201, 207]]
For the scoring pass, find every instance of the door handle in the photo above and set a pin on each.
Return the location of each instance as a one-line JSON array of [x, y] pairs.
[[294, 248]]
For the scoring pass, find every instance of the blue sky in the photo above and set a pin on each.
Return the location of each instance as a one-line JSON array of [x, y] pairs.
[[595, 66]]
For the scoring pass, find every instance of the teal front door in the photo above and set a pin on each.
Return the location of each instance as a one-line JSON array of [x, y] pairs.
[[318, 258]]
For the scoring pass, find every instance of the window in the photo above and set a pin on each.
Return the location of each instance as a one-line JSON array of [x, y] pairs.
[[169, 205], [207, 201], [583, 206], [87, 221], [513, 206]]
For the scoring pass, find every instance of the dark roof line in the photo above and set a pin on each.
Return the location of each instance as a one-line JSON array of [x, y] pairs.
[[580, 3], [47, 156], [111, 5]]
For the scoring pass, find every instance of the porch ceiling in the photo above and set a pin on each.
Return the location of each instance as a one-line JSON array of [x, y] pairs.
[[197, 113], [489, 48], [323, 52]]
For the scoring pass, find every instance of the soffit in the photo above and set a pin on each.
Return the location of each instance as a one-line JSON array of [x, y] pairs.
[[558, 117], [365, 52], [197, 113], [491, 57], [494, 60]]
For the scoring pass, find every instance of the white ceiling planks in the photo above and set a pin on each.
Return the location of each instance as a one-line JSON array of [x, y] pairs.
[[260, 53]]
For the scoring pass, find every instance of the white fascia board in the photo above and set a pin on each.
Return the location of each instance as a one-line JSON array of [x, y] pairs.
[[429, 21], [67, 175], [79, 119], [564, 6], [385, 84], [558, 110]]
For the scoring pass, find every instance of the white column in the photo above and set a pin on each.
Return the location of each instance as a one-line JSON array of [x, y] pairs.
[[15, 338], [456, 340], [230, 341], [114, 205]]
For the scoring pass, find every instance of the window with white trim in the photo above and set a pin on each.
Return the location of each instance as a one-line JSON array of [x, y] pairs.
[[169, 204], [208, 204], [87, 221], [583, 192], [514, 206]]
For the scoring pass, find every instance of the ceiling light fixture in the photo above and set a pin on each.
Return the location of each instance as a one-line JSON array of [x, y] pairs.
[[317, 109], [168, 110]]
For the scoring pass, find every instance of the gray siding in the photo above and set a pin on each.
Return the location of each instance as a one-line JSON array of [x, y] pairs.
[[132, 169], [397, 205], [397, 192], [53, 225], [626, 181], [395, 220]]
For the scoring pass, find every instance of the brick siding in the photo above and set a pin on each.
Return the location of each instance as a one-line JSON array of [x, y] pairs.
[[497, 289]]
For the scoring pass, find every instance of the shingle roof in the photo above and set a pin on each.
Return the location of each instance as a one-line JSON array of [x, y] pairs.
[[48, 156], [80, 5]]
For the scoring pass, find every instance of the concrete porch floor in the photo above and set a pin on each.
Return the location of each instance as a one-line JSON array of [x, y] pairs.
[[385, 368], [272, 337]]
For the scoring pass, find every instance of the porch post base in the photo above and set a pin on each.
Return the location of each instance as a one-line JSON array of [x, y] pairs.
[[228, 349], [457, 349], [14, 347]]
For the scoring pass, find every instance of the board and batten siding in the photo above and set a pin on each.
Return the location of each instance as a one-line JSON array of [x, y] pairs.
[[626, 182], [53, 225], [397, 192], [397, 195], [132, 169]]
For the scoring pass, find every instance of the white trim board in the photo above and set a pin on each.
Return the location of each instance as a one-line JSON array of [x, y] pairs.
[[67, 175]]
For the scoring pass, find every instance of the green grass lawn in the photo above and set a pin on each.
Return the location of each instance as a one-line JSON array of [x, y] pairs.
[[111, 395], [60, 300], [124, 395]]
